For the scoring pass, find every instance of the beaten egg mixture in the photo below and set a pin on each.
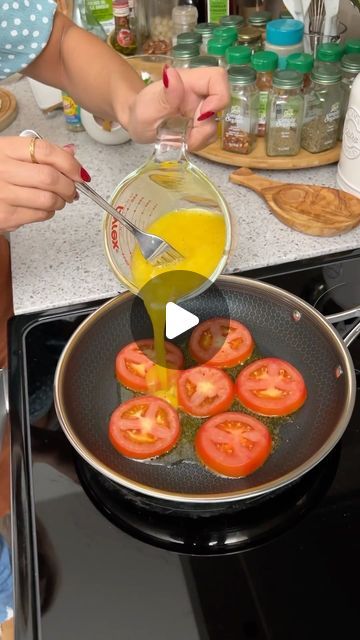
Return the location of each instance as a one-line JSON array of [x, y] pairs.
[[199, 235]]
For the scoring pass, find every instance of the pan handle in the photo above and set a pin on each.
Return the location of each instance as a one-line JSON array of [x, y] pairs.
[[334, 318]]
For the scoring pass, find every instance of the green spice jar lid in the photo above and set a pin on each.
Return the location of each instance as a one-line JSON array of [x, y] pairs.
[[350, 62], [326, 76], [241, 75], [205, 28], [238, 55], [329, 52], [249, 34], [185, 51], [225, 32], [259, 18], [203, 61], [236, 20], [265, 60], [301, 62], [352, 45], [287, 79], [189, 37], [217, 47]]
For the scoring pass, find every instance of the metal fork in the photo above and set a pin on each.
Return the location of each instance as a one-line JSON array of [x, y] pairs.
[[154, 248]]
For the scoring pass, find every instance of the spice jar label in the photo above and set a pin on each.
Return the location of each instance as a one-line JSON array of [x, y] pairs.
[[333, 113], [263, 100], [351, 134]]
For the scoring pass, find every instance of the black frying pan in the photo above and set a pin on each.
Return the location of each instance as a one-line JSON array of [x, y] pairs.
[[282, 325]]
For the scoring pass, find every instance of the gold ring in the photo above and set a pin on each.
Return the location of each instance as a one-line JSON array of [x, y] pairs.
[[32, 150]]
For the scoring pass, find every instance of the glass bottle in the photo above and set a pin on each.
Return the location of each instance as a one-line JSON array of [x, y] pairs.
[[203, 61], [189, 37], [303, 63], [284, 114], [250, 37], [124, 39], [205, 29], [259, 20], [350, 67], [184, 19], [238, 55], [183, 54], [264, 63], [160, 24], [352, 45], [217, 48], [328, 54], [226, 32], [238, 21], [323, 111], [241, 116]]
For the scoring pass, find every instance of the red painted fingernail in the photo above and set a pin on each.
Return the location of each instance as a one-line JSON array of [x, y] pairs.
[[84, 175], [165, 77], [206, 115], [70, 146]]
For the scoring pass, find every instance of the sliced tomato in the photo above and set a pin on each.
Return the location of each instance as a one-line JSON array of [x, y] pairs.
[[271, 387], [144, 427], [205, 391], [220, 342], [233, 444], [134, 362]]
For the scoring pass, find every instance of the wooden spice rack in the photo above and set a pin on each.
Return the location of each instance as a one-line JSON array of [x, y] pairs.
[[258, 159]]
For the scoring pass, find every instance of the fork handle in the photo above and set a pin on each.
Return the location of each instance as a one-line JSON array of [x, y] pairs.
[[93, 195], [90, 193]]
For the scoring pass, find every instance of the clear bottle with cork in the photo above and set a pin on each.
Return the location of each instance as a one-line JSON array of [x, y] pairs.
[[264, 63], [285, 113], [124, 37]]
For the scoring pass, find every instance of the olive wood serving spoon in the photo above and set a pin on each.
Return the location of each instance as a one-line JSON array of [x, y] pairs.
[[311, 209]]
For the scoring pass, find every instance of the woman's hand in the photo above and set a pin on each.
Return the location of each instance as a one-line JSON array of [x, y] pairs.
[[189, 92], [33, 192]]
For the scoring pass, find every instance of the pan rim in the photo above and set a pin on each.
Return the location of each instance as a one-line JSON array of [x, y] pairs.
[[209, 498]]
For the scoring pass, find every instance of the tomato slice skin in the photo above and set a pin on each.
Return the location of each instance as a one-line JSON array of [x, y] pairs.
[[144, 427], [233, 444], [136, 359], [205, 391], [220, 342], [271, 387]]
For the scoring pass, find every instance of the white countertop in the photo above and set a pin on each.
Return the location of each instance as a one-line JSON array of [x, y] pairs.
[[62, 262]]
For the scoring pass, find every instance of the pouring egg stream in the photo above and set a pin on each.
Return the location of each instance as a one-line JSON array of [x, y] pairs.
[[200, 236]]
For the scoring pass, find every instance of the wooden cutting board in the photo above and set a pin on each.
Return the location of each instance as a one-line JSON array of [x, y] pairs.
[[311, 209], [8, 108]]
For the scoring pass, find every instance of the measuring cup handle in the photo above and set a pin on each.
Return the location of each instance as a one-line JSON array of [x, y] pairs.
[[93, 195]]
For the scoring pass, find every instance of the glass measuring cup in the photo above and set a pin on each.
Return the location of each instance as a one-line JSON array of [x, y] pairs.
[[168, 181]]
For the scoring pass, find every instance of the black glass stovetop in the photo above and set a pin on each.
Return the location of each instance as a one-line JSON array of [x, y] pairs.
[[92, 560]]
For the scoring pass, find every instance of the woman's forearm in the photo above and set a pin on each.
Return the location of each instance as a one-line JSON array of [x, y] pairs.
[[93, 74]]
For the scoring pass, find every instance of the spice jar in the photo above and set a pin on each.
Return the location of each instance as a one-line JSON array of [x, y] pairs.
[[217, 48], [322, 111], [205, 29], [250, 37], [284, 37], [259, 20], [184, 18], [241, 116], [189, 37], [352, 45], [229, 33], [183, 54], [124, 38], [350, 67], [203, 61], [238, 21], [284, 114], [328, 54], [238, 55], [303, 63], [264, 63]]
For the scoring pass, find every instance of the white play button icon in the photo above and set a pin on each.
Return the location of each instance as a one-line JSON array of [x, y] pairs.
[[178, 320]]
